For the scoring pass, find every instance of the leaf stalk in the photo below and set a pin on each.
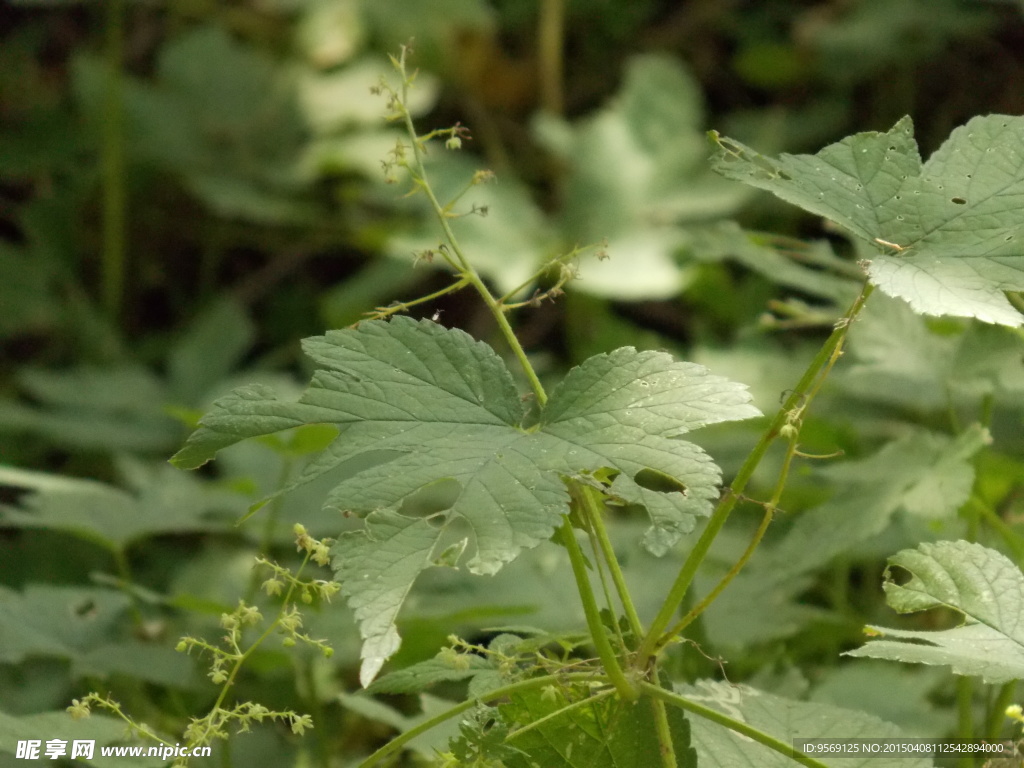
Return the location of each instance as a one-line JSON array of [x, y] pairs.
[[808, 383]]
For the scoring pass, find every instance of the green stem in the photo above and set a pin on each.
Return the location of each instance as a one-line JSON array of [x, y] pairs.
[[467, 272], [544, 269], [113, 164], [762, 529], [498, 693], [965, 715], [382, 312], [600, 565], [240, 660], [666, 747], [550, 33], [826, 355], [1010, 537], [997, 715], [626, 689], [702, 606], [125, 580], [591, 501], [735, 725]]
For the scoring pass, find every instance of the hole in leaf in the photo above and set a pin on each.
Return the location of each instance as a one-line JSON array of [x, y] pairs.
[[653, 480], [605, 475], [431, 499], [85, 609], [958, 201], [13, 494]]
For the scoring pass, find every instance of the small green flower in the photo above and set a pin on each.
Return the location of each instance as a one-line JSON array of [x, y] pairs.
[[79, 709], [300, 724]]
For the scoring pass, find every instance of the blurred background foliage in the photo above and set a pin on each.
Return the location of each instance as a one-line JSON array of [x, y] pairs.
[[188, 187]]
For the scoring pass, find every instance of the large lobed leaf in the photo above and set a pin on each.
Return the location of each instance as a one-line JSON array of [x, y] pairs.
[[979, 583], [949, 232], [428, 403]]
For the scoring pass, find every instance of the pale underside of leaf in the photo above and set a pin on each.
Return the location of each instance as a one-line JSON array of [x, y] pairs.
[[949, 232], [785, 720], [979, 583]]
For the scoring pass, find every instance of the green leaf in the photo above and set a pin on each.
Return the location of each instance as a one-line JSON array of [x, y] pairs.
[[86, 407], [60, 622], [557, 729], [817, 271], [906, 699], [209, 350], [979, 583], [433, 404], [783, 719], [948, 232], [221, 115]]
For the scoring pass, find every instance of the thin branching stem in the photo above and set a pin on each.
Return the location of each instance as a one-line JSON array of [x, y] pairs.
[[550, 39], [591, 502], [733, 572], [822, 361], [466, 270], [403, 306], [666, 747], [626, 688]]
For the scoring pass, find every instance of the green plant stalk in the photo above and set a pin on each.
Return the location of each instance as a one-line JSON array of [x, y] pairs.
[[762, 529], [605, 589], [132, 727], [1009, 536], [703, 605], [113, 164], [735, 725], [592, 506], [498, 693], [315, 708], [997, 715], [383, 312], [821, 361], [466, 268], [666, 749], [543, 270], [626, 689], [550, 34]]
